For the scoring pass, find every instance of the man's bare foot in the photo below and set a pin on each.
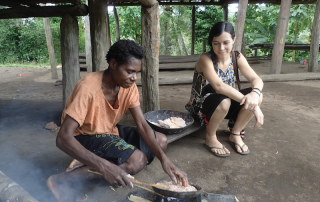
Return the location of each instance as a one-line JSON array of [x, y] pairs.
[[62, 191], [74, 165], [238, 140], [212, 141]]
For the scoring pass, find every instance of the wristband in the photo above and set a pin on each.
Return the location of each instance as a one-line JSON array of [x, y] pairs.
[[258, 89], [256, 92]]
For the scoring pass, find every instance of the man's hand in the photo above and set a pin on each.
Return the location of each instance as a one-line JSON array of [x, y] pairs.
[[174, 173], [116, 176]]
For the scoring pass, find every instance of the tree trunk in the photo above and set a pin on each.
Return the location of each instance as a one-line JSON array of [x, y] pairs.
[[166, 42], [280, 39], [50, 46], [108, 29], [295, 40], [193, 29], [241, 18], [314, 45], [88, 43], [117, 23], [98, 32], [184, 48], [69, 54], [150, 41]]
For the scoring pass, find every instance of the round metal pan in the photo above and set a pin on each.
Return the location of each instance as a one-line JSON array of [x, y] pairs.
[[179, 195], [154, 116]]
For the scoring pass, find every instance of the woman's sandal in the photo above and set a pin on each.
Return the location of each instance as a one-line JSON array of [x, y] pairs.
[[241, 147], [214, 153], [230, 127]]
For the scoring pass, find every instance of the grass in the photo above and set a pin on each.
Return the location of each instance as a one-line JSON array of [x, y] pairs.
[[29, 65]]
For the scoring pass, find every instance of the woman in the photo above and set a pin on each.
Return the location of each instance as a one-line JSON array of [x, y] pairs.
[[214, 97]]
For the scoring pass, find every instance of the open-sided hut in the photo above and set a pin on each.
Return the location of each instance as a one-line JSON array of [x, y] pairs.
[[99, 29]]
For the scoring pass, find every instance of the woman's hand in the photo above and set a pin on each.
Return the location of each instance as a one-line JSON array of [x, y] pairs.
[[250, 100], [174, 173], [259, 117]]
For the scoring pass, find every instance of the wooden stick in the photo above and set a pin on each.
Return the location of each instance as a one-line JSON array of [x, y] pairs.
[[149, 190], [137, 181]]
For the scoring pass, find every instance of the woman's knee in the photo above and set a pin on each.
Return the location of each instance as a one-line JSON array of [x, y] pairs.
[[224, 105], [162, 140]]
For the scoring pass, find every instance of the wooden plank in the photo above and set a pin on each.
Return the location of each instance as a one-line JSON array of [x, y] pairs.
[[52, 58], [314, 48], [177, 66], [69, 54], [280, 39], [98, 32], [44, 11], [150, 41], [241, 17], [225, 12]]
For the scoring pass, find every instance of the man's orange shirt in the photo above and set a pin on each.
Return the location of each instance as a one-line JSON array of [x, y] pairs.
[[89, 107]]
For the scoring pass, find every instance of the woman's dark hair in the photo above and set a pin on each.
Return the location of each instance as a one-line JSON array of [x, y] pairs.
[[123, 50], [216, 30]]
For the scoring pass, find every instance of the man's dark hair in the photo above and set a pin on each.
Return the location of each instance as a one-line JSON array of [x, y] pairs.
[[123, 50]]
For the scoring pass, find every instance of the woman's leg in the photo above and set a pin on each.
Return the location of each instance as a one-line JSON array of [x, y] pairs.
[[211, 129], [243, 119]]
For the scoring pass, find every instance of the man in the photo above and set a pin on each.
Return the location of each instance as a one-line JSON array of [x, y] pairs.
[[90, 134]]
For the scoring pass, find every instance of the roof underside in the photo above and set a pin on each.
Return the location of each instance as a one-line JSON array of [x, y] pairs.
[[33, 8], [35, 3]]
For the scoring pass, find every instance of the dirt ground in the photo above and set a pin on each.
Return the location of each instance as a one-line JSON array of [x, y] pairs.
[[283, 165]]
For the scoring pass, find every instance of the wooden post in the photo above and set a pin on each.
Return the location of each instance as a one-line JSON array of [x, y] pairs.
[[52, 58], [314, 45], [108, 29], [204, 46], [193, 29], [243, 47], [225, 12], [280, 39], [241, 18], [150, 41], [117, 23], [88, 43], [69, 54], [98, 31]]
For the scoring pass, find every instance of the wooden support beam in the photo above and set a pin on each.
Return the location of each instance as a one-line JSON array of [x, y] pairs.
[[225, 12], [280, 39], [204, 46], [117, 23], [241, 18], [88, 43], [69, 54], [52, 1], [314, 44], [108, 29], [193, 23], [52, 58], [98, 31], [44, 11], [150, 41], [149, 2]]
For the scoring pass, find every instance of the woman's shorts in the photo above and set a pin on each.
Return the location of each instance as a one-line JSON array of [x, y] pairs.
[[212, 101], [117, 148]]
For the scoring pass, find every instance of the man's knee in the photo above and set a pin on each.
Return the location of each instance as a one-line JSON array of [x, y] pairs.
[[136, 162], [162, 140]]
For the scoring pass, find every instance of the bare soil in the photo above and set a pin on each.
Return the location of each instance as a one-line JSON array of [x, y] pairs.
[[284, 164]]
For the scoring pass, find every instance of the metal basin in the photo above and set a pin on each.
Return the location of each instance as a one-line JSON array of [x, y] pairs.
[[154, 116]]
